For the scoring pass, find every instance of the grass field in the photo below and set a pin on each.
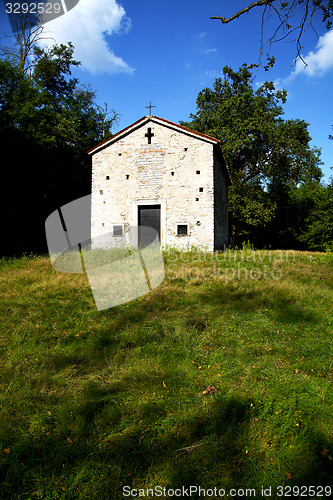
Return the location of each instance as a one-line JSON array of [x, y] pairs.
[[92, 401]]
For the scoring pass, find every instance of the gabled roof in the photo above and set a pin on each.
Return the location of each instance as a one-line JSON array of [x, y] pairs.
[[165, 123], [154, 119]]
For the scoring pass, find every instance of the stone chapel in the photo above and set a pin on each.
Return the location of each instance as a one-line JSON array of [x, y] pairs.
[[159, 174]]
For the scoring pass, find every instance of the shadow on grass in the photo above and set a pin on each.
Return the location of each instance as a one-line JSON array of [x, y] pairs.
[[206, 445], [279, 303], [192, 308], [158, 317], [92, 445], [208, 448], [320, 471]]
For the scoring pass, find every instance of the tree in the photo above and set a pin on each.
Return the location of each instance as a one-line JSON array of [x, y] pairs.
[[318, 230], [47, 123], [293, 18], [268, 157], [20, 50]]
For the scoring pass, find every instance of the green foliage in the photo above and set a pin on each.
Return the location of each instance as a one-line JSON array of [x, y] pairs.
[[268, 157], [319, 222], [47, 123]]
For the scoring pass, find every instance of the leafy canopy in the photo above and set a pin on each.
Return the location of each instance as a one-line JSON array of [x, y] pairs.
[[47, 123], [268, 156], [258, 144]]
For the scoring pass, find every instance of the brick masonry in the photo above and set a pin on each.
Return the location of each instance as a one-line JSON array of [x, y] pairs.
[[179, 170]]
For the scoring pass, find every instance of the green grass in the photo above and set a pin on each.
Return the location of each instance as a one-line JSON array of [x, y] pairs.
[[93, 401]]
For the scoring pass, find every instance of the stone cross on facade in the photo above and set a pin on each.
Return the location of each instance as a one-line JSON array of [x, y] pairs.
[[149, 135], [150, 106]]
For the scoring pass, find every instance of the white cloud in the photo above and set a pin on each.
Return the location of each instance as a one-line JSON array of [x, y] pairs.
[[86, 26], [319, 61], [208, 51]]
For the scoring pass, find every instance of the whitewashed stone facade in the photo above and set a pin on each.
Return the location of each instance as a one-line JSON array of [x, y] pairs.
[[158, 163]]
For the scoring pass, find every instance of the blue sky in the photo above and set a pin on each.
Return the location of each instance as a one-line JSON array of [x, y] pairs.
[[166, 51]]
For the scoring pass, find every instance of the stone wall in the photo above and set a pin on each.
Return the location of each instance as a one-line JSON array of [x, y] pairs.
[[175, 170]]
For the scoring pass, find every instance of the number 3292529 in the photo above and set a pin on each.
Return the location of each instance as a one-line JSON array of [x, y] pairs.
[[303, 491], [33, 8]]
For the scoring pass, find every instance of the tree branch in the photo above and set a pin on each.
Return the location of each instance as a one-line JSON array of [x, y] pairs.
[[293, 16], [259, 3]]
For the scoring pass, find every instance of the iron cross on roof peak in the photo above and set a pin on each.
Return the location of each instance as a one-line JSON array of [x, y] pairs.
[[150, 106]]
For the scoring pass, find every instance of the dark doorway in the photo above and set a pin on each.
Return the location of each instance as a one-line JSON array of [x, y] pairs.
[[149, 216]]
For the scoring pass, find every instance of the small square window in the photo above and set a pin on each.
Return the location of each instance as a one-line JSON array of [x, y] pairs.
[[182, 229], [127, 176], [107, 177], [185, 149], [117, 230], [172, 173], [200, 190], [198, 172], [197, 199]]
